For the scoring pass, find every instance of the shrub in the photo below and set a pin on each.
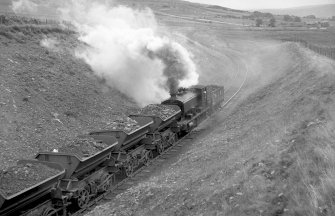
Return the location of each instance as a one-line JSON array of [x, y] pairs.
[[259, 22], [272, 22]]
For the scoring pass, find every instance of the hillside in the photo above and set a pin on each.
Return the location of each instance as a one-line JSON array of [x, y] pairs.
[[270, 152], [48, 96], [321, 11], [271, 155], [191, 10]]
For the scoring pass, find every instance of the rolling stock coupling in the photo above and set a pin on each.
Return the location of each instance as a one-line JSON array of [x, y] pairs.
[[78, 172]]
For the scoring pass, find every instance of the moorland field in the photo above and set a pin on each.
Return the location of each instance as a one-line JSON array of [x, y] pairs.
[[269, 152]]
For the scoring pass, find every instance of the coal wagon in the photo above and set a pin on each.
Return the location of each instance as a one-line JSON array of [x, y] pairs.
[[85, 174], [164, 128], [129, 152], [14, 201]]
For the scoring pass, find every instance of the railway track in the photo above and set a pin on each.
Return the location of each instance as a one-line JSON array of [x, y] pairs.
[[155, 162]]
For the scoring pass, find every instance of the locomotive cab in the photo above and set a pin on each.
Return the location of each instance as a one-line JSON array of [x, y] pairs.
[[190, 101], [193, 104]]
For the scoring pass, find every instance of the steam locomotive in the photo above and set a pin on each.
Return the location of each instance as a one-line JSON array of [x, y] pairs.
[[79, 178]]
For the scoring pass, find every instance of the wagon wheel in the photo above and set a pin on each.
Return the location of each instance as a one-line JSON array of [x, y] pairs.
[[135, 161], [92, 188], [50, 212], [160, 148], [107, 185], [148, 157], [173, 139], [110, 183], [83, 198], [129, 169]]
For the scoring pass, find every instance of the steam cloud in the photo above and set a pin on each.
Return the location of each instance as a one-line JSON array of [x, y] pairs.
[[125, 49], [23, 6]]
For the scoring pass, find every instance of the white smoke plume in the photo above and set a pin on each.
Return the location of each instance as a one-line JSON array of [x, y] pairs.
[[24, 6], [125, 49]]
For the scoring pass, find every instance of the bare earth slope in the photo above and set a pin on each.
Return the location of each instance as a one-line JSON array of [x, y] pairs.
[[270, 152], [47, 96], [272, 155]]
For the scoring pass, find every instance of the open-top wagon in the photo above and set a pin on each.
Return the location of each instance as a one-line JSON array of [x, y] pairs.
[[164, 128], [86, 174], [28, 184], [129, 153]]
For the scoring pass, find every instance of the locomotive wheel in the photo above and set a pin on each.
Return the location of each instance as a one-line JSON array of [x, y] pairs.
[[50, 212], [83, 198]]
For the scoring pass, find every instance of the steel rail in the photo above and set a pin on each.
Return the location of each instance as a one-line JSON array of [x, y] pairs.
[[240, 88]]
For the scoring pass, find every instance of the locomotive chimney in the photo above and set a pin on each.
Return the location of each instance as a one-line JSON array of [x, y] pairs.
[[173, 86], [173, 93]]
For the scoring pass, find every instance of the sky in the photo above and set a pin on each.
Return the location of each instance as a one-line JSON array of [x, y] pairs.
[[263, 4]]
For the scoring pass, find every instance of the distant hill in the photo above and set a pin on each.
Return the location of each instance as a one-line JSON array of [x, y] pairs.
[[321, 11], [223, 8]]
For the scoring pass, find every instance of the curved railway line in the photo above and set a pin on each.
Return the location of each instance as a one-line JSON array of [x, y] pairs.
[[123, 184]]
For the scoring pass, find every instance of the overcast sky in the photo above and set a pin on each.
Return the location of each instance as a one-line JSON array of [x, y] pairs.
[[262, 4]]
